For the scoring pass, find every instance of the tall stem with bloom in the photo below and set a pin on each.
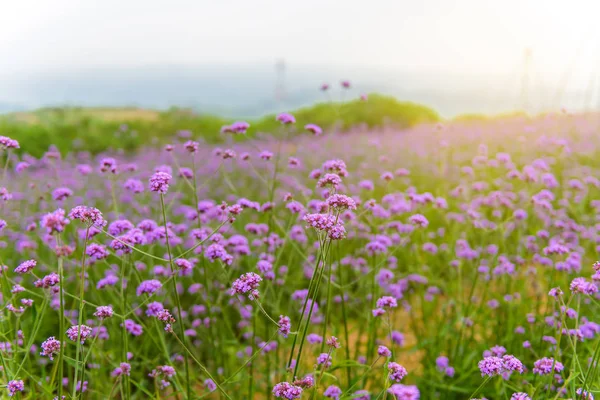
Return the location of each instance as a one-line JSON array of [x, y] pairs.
[[176, 293], [325, 249], [124, 351], [61, 322], [310, 288], [80, 319]]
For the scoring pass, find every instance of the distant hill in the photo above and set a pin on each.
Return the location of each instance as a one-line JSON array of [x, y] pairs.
[[101, 129]]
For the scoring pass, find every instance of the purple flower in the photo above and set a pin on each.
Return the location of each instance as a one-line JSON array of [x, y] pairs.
[[404, 392], [333, 392], [315, 129], [247, 284], [123, 369], [15, 386], [512, 363], [159, 182], [103, 312], [547, 365], [240, 127], [396, 371], [419, 220], [148, 287], [287, 391], [387, 302], [286, 118], [341, 202], [210, 385], [26, 267], [88, 215], [324, 359], [50, 347], [285, 326], [192, 146], [79, 331], [384, 351], [581, 285], [491, 366], [8, 143]]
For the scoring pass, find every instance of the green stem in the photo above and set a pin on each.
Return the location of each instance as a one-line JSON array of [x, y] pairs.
[[177, 300], [80, 316]]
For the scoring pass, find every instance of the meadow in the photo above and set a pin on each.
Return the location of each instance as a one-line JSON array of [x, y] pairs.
[[444, 261]]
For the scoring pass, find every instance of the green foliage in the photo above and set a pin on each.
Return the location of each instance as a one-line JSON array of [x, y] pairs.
[[100, 129]]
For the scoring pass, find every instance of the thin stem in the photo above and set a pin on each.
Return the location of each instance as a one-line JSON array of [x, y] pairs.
[[61, 323], [80, 316], [177, 300]]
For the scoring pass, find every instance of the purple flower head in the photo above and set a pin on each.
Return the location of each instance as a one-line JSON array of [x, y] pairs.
[[315, 129], [159, 182], [79, 331], [332, 180], [123, 369], [247, 284], [581, 285], [387, 302], [384, 351], [341, 202], [239, 127], [333, 392], [442, 362], [419, 220], [511, 363], [396, 371], [191, 146], [324, 359], [88, 215], [547, 365], [61, 193], [584, 394], [210, 385], [404, 392], [26, 267], [148, 287], [8, 143], [285, 390], [15, 386], [286, 118], [54, 221], [50, 347], [333, 342], [285, 326], [104, 312], [108, 164], [491, 366]]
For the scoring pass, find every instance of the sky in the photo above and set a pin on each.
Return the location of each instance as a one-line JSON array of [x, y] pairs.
[[484, 38]]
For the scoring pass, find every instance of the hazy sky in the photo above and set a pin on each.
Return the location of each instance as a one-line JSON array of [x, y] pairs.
[[473, 36]]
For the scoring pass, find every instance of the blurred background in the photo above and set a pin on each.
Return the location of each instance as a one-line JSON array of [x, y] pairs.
[[249, 58]]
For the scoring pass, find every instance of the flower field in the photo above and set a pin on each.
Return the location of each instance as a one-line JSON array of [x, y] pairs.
[[453, 261]]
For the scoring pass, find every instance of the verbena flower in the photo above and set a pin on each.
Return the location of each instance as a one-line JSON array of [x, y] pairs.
[[15, 386], [88, 215], [159, 182], [396, 371], [50, 347], [103, 312], [285, 390], [79, 331]]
